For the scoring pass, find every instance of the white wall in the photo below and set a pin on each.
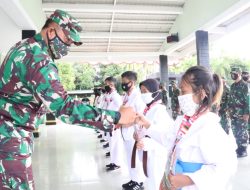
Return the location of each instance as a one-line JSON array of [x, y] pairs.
[[10, 34], [34, 9]]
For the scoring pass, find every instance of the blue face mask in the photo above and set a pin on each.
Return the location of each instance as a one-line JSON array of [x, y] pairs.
[[57, 47]]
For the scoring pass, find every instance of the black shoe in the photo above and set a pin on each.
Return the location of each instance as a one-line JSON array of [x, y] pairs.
[[97, 131], [102, 140], [128, 185], [99, 136], [109, 165], [112, 167], [242, 154], [108, 154], [136, 186], [106, 145]]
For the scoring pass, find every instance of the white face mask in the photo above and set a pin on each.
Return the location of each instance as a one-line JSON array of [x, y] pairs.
[[147, 97], [187, 104]]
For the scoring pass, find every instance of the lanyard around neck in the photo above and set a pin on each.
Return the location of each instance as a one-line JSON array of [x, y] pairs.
[[186, 124]]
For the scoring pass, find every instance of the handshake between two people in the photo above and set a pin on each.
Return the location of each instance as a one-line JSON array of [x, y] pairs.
[[129, 117]]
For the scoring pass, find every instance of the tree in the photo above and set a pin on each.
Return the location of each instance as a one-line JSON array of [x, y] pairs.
[[222, 66], [67, 75], [183, 65], [114, 70], [84, 76]]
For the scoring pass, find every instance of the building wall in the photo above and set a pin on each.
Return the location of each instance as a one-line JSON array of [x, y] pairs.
[[10, 34], [34, 9]]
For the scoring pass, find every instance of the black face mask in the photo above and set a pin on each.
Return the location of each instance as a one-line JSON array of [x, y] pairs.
[[103, 90], [97, 92], [245, 78], [234, 76], [108, 89], [126, 87]]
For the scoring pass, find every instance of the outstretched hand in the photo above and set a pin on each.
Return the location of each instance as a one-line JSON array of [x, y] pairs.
[[142, 121], [128, 116]]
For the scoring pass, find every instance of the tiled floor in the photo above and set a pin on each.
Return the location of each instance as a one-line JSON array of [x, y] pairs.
[[71, 158]]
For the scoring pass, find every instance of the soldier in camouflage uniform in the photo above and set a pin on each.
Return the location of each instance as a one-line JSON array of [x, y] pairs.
[[28, 79], [164, 94], [224, 108], [174, 100], [239, 111], [246, 78]]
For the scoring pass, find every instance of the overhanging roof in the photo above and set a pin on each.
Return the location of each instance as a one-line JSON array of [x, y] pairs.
[[120, 27], [118, 30]]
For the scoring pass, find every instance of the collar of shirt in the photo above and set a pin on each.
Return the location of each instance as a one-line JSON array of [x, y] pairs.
[[39, 39]]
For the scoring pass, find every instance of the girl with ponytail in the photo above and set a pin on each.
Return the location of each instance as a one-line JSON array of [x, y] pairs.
[[201, 156]]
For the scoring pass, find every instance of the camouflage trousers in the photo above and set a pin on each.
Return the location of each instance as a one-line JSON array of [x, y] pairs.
[[225, 123], [16, 174], [240, 131]]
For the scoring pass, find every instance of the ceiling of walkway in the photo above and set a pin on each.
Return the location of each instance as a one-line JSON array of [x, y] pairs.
[[128, 26], [125, 30]]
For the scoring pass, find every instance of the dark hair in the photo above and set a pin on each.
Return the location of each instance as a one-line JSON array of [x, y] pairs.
[[200, 78], [153, 86], [111, 79], [47, 23], [131, 75]]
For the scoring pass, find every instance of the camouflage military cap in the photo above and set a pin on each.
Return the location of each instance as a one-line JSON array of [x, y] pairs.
[[235, 70], [245, 73], [69, 25]]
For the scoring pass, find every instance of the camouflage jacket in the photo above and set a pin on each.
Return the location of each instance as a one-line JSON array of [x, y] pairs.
[[239, 99], [28, 79], [174, 100], [224, 105], [164, 97]]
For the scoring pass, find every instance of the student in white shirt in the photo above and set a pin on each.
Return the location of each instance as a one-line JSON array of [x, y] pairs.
[[201, 155], [99, 103], [153, 153], [114, 102], [133, 99], [98, 100]]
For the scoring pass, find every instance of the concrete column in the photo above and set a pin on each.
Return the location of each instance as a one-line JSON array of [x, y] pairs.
[[164, 70], [202, 47]]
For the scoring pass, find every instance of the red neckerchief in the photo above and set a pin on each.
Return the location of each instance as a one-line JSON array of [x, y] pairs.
[[148, 108], [125, 99]]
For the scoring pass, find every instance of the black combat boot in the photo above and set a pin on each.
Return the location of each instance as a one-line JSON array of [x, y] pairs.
[[241, 152]]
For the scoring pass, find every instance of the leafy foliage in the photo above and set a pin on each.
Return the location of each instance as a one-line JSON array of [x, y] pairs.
[[183, 65], [221, 66], [114, 70], [80, 76], [67, 75], [84, 76]]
